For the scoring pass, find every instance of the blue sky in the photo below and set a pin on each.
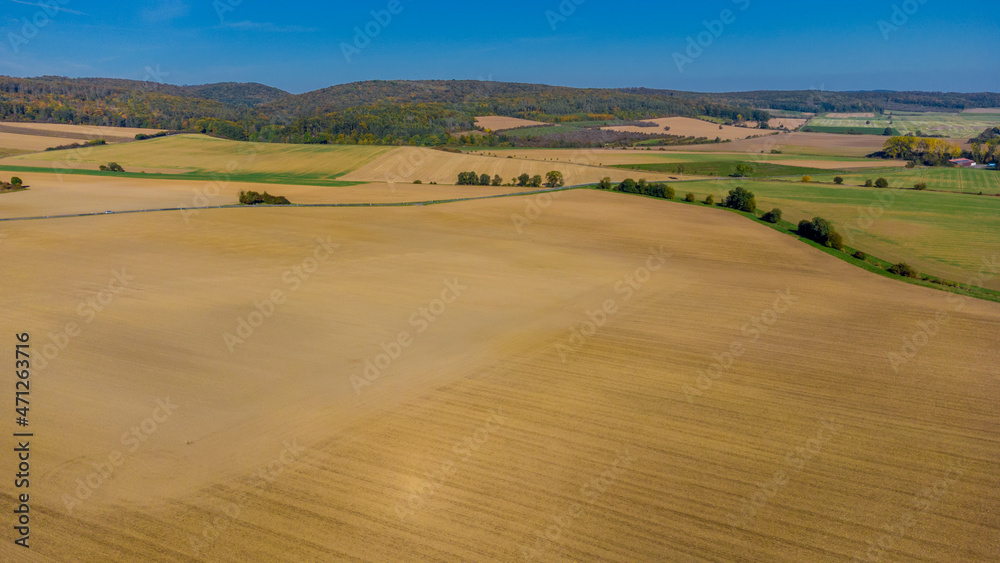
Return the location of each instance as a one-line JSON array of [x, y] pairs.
[[302, 46]]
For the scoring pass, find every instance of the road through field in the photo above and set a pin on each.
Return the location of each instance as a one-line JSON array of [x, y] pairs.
[[618, 379]]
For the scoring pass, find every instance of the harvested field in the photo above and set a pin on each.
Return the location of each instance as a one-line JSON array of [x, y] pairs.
[[983, 110], [408, 164], [31, 143], [688, 127], [275, 457], [498, 123], [203, 153], [89, 131], [787, 123], [52, 194]]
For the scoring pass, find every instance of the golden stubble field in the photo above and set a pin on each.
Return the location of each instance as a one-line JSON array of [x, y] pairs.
[[67, 194], [408, 164], [689, 127], [506, 428]]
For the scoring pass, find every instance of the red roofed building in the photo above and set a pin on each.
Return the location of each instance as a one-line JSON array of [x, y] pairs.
[[964, 162]]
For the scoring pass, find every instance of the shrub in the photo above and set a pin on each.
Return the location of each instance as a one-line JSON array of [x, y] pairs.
[[911, 164], [497, 180], [839, 180], [869, 183], [818, 230], [881, 183], [920, 186], [860, 255], [772, 216], [628, 186], [523, 180], [484, 180], [254, 198], [418, 182], [903, 269], [741, 199], [710, 200], [835, 241], [554, 179], [689, 198], [536, 181], [16, 182], [468, 179], [743, 170], [807, 179], [605, 184]]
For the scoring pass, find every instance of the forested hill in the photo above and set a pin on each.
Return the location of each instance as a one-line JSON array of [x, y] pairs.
[[405, 112]]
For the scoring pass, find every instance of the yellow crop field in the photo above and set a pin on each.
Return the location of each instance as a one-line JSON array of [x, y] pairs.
[[200, 152], [88, 131], [31, 143], [613, 378], [407, 164], [688, 127]]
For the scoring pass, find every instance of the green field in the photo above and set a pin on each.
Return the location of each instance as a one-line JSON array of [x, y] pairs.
[[960, 180], [952, 125], [720, 168], [848, 130], [942, 234]]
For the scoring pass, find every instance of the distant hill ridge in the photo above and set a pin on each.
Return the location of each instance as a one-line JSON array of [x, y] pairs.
[[423, 112]]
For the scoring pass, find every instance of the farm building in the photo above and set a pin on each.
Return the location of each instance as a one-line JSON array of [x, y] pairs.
[[963, 162]]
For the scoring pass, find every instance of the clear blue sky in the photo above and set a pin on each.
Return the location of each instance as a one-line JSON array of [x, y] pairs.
[[299, 46]]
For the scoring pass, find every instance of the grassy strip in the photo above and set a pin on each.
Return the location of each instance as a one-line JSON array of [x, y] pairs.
[[872, 264], [199, 175], [727, 168]]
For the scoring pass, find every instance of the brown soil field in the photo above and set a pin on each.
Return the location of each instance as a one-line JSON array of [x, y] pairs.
[[982, 110], [32, 143], [87, 131], [500, 423], [498, 123], [407, 164], [54, 194], [688, 127]]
